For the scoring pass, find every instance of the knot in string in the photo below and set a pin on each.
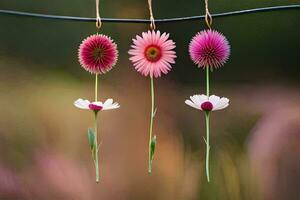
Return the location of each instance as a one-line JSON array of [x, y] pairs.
[[208, 17], [98, 18], [152, 21]]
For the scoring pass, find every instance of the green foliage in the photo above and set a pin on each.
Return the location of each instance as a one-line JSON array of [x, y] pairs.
[[153, 146], [91, 138]]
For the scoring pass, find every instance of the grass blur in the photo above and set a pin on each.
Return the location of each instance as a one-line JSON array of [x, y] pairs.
[[43, 139]]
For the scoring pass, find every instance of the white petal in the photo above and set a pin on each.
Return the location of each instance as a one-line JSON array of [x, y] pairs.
[[214, 100], [202, 98], [190, 103], [112, 106], [107, 102], [82, 104], [195, 100], [223, 103], [108, 105], [199, 99], [98, 103]]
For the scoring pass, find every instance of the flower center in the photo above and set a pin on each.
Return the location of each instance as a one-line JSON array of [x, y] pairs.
[[95, 107], [98, 53], [206, 106], [153, 53], [210, 53]]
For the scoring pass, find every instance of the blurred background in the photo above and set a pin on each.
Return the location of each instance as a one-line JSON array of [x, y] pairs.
[[44, 151]]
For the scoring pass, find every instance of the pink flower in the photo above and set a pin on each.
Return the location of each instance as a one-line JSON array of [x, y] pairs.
[[209, 48], [205, 103], [152, 54], [96, 106], [98, 54]]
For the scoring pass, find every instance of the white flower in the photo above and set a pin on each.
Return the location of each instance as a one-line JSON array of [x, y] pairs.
[[205, 103], [96, 105]]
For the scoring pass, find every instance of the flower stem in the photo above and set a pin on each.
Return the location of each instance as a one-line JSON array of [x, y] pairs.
[[207, 145], [207, 126], [96, 87], [207, 81], [151, 125], [96, 129], [96, 151]]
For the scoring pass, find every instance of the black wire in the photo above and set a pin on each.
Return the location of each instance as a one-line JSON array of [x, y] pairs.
[[116, 20]]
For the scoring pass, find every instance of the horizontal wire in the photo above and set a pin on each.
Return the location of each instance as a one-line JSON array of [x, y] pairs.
[[177, 19]]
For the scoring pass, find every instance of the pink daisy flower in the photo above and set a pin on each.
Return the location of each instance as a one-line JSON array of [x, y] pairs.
[[209, 48], [152, 54], [98, 54]]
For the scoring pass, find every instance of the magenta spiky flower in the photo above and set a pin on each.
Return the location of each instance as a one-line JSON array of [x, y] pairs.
[[98, 54], [209, 48], [152, 54]]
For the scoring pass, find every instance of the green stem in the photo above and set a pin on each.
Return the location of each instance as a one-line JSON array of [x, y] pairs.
[[151, 125], [96, 151], [207, 81], [96, 87], [96, 130], [207, 127], [207, 145]]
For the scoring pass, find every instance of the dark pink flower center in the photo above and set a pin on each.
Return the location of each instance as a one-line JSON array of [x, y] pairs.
[[98, 53], [206, 106], [153, 53], [210, 53], [95, 107]]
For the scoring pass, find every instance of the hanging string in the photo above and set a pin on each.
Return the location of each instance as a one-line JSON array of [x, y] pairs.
[[152, 21], [146, 21], [98, 18], [208, 17]]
